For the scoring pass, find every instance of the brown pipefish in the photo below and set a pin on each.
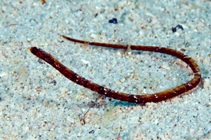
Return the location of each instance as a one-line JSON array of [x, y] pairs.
[[139, 99]]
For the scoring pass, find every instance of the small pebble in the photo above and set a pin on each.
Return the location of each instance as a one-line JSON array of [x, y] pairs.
[[114, 21]]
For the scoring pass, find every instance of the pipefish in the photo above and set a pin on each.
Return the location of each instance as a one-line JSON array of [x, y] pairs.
[[138, 99]]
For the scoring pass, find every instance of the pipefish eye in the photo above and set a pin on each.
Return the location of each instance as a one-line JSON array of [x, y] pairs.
[[36, 51]]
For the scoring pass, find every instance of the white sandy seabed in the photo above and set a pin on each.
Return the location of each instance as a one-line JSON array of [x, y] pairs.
[[37, 102]]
